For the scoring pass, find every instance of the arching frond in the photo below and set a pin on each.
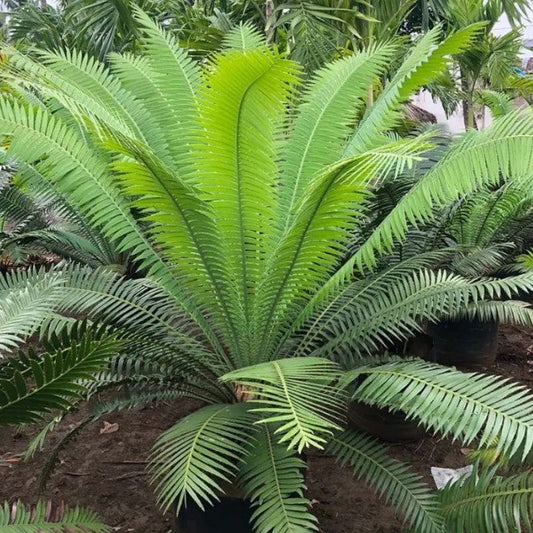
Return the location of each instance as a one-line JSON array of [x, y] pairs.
[[273, 479], [465, 406], [212, 440], [488, 503], [394, 481], [46, 518], [330, 104], [426, 61], [54, 379], [296, 394]]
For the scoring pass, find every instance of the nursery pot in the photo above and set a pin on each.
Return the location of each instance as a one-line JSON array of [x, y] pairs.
[[383, 423], [229, 515], [468, 344]]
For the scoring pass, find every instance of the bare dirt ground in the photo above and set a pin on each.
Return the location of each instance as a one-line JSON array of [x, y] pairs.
[[106, 471]]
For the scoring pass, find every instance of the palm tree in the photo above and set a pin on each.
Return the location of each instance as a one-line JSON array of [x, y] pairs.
[[247, 193]]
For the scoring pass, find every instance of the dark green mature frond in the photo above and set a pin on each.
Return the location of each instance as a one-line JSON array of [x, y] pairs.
[[487, 503], [213, 439], [45, 518], [394, 481], [54, 379], [466, 406], [26, 299], [273, 478], [377, 311], [298, 395]]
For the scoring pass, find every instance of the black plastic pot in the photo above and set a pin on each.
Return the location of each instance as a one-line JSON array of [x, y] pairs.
[[230, 515], [467, 344], [383, 423]]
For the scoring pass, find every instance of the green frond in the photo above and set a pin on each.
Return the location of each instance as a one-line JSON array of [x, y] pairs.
[[54, 379], [272, 477], [298, 395], [213, 439], [526, 260], [374, 312], [176, 78], [330, 104], [465, 406], [499, 103], [487, 503], [243, 37], [42, 518], [427, 60], [315, 243], [26, 299], [392, 480], [479, 157], [242, 111]]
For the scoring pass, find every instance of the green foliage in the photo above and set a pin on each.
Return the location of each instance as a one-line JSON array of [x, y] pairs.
[[38, 384], [17, 518], [391, 479], [244, 204], [489, 503]]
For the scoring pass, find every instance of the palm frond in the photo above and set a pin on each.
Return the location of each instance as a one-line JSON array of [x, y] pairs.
[[298, 394], [272, 477], [329, 107], [243, 37], [426, 61], [465, 406], [45, 518], [54, 379], [212, 440], [488, 503], [392, 480]]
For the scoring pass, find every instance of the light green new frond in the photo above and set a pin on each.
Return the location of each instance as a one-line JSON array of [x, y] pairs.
[[54, 379], [295, 394], [242, 110], [243, 37], [180, 222], [526, 260], [214, 440], [273, 479], [42, 518], [316, 241], [465, 406], [330, 105], [488, 503], [176, 78], [392, 480], [426, 61]]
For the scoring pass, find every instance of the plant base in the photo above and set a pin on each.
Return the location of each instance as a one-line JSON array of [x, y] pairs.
[[466, 344], [383, 423], [230, 515]]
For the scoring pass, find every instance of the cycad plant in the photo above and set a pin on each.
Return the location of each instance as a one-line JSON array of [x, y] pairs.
[[238, 194]]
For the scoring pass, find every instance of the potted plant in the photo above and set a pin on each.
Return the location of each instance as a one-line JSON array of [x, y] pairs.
[[249, 192]]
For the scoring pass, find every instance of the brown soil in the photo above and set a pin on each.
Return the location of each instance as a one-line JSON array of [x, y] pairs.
[[105, 472]]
